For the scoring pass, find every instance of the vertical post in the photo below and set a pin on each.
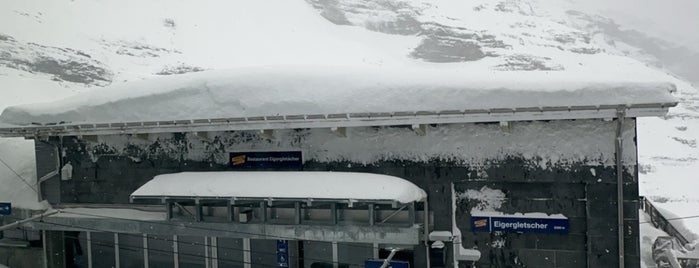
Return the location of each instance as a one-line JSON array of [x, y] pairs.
[[336, 258], [230, 214], [43, 239], [55, 249], [297, 213], [116, 250], [199, 212], [175, 252], [333, 213], [621, 114], [145, 251], [263, 211], [169, 206], [89, 249], [246, 253], [214, 252], [376, 250], [372, 215], [411, 214], [426, 229], [207, 260]]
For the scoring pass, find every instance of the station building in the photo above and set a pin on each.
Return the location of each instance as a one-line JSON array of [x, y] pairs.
[[524, 174]]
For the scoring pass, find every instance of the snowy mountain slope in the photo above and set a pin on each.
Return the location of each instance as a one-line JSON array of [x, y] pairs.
[[663, 35], [54, 49]]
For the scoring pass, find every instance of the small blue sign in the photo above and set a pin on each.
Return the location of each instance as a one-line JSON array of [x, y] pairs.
[[519, 225], [266, 160], [5, 208], [282, 253], [391, 264]]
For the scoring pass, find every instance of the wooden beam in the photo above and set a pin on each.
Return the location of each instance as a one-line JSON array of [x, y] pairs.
[[142, 136], [420, 129], [266, 133], [339, 131], [505, 126], [202, 135]]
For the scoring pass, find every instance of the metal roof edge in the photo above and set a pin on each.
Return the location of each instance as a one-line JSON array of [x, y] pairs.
[[338, 120]]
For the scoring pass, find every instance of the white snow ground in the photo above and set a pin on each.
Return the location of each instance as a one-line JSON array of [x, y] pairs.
[[163, 37]]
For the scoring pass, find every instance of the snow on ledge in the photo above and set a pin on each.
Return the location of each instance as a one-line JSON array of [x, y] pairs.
[[305, 90], [301, 185], [536, 215]]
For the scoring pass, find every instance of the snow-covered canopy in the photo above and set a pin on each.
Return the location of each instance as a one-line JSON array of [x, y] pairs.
[[281, 185], [304, 90]]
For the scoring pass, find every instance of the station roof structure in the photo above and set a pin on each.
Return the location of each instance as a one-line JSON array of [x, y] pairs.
[[300, 186], [284, 97]]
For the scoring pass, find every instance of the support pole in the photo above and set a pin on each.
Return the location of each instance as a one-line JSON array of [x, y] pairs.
[[390, 257], [621, 114]]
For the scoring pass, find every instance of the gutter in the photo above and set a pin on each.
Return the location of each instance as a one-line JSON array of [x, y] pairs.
[[49, 175]]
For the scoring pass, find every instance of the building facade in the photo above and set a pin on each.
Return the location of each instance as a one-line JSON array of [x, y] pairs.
[[556, 167]]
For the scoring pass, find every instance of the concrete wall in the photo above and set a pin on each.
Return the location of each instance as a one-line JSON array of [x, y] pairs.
[[564, 167]]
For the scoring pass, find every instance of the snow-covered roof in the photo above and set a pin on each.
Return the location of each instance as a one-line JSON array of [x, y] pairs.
[[281, 185], [303, 92]]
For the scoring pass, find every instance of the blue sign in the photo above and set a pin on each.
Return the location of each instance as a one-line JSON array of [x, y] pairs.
[[5, 208], [391, 264], [282, 253], [519, 225], [262, 160]]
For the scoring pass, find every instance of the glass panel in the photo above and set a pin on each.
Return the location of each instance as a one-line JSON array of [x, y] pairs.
[[103, 249], [263, 253], [354, 254], [230, 252], [160, 251], [131, 250], [317, 254], [76, 249], [191, 251]]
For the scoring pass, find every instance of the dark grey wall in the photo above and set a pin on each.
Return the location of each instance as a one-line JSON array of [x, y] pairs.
[[109, 169], [21, 257]]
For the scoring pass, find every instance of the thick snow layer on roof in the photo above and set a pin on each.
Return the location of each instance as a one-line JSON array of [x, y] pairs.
[[296, 185], [297, 90]]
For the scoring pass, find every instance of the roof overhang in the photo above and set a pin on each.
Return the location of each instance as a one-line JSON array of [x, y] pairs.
[[338, 120], [281, 186]]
